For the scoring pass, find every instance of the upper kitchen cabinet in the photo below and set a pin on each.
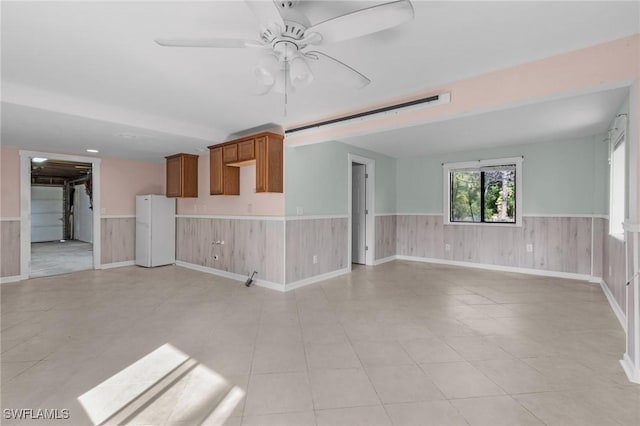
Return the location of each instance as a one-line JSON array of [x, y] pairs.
[[182, 175], [265, 150]]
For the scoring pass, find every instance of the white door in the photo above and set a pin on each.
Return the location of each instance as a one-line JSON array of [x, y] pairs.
[[82, 215], [358, 212], [47, 212]]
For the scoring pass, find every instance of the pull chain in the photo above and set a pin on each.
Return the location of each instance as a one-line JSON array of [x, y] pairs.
[[286, 77]]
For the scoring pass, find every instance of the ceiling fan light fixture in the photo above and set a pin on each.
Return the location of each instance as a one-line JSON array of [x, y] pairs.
[[282, 82], [301, 75], [267, 70]]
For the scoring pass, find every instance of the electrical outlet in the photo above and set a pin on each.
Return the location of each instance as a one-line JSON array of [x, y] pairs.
[[447, 247], [299, 211], [103, 211], [315, 259], [529, 248], [249, 207]]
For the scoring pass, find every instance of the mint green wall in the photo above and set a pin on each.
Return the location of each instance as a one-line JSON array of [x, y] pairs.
[[316, 179], [560, 177]]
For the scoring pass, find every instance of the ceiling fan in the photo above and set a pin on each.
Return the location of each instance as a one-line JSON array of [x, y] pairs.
[[288, 40]]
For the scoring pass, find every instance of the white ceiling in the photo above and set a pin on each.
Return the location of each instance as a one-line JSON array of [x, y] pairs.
[[91, 69]]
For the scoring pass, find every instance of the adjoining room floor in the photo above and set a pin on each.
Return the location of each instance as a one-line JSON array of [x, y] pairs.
[[57, 257], [402, 343]]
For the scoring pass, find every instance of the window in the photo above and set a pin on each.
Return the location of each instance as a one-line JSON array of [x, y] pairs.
[[617, 181], [483, 192]]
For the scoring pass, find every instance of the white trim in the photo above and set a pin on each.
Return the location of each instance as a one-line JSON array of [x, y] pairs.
[[25, 204], [318, 216], [213, 216], [385, 260], [11, 279], [477, 164], [419, 214], [118, 216], [231, 275], [370, 205], [316, 278], [498, 224], [117, 264], [516, 269], [577, 215], [633, 373], [10, 219], [622, 318]]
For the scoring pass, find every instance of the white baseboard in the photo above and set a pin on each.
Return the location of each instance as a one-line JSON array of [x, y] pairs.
[[12, 279], [316, 278], [385, 260], [632, 372], [622, 318], [117, 264], [231, 275], [516, 269]]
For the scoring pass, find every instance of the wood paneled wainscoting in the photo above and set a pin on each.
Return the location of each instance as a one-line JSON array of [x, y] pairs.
[[232, 245], [572, 246], [117, 241], [631, 359], [315, 247], [9, 249], [281, 249], [613, 266]]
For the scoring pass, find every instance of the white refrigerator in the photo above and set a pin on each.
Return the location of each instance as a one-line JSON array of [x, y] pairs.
[[155, 230]]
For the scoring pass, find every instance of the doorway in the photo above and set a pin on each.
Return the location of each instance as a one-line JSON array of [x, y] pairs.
[[358, 213], [361, 210], [61, 217], [59, 213]]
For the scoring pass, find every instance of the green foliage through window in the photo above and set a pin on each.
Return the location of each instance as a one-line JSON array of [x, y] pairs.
[[483, 195]]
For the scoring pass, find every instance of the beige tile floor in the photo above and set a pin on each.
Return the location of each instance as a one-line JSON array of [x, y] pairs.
[[402, 343]]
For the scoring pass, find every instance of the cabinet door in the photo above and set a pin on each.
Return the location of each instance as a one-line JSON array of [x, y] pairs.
[[274, 165], [174, 177], [230, 153], [216, 170], [261, 164], [246, 150], [190, 176]]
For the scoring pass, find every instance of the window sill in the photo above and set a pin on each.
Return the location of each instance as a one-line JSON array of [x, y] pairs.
[[499, 225]]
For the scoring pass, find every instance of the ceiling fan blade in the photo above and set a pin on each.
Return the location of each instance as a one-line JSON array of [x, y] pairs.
[[211, 42], [364, 21], [267, 12], [338, 71]]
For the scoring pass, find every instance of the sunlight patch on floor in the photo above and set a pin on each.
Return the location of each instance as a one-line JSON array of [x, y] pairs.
[[164, 386]]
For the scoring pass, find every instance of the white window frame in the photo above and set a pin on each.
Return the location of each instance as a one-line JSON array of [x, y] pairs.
[[447, 168], [618, 139]]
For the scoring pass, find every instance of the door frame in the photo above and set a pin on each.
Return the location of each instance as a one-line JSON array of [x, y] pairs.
[[370, 229], [25, 205]]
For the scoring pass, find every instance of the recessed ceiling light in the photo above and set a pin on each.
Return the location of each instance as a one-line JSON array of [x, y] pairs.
[[39, 159], [93, 151]]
